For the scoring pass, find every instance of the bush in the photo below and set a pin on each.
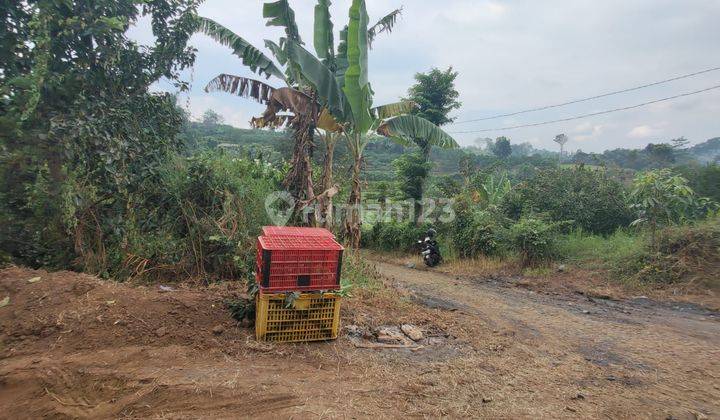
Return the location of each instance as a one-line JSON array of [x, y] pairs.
[[685, 254], [534, 240], [704, 179], [587, 197], [202, 218], [394, 236], [478, 232], [194, 217]]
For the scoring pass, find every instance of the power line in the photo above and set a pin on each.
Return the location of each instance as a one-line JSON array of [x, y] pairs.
[[542, 108], [577, 117]]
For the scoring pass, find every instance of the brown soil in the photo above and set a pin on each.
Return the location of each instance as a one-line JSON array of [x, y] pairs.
[[72, 346]]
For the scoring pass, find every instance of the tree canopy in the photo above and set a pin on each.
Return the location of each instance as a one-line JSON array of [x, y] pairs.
[[435, 95]]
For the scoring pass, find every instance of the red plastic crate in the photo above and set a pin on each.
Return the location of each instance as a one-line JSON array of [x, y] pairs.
[[298, 263], [295, 231]]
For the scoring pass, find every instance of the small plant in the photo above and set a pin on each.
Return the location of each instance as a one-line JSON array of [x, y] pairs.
[[662, 198], [534, 239], [244, 308], [357, 272], [241, 309]]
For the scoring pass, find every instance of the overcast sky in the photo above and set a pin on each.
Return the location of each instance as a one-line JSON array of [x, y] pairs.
[[513, 55]]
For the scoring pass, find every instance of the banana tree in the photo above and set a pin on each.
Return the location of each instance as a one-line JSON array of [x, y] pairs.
[[356, 114], [293, 97], [391, 120]]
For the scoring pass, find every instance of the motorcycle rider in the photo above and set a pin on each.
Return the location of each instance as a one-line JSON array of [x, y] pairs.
[[430, 249]]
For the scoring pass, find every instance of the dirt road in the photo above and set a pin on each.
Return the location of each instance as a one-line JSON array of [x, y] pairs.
[[75, 346], [598, 358]]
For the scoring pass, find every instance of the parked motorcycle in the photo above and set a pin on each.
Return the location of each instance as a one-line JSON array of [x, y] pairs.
[[430, 250]]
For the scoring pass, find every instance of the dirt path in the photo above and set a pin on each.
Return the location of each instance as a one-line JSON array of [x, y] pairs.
[[625, 358], [74, 346]]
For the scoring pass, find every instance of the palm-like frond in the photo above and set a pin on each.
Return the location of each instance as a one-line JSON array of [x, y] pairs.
[[321, 78], [251, 56], [323, 40], [285, 99], [393, 110], [356, 87], [386, 24], [327, 122], [277, 121], [277, 51], [241, 86], [279, 13], [410, 128]]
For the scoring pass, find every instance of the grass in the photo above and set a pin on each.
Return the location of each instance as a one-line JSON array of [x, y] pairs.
[[357, 272], [595, 251]]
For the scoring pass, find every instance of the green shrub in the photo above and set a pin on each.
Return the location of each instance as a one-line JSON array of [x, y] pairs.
[[587, 197], [534, 240], [704, 179], [203, 216], [394, 236], [357, 272], [478, 232], [196, 216]]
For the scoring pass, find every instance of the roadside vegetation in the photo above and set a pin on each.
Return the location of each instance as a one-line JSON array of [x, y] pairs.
[[102, 175]]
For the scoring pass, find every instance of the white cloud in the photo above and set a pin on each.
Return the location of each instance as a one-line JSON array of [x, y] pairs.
[[644, 132], [514, 55], [587, 131]]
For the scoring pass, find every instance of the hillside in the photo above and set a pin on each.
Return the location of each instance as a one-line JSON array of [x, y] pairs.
[[708, 151], [275, 146]]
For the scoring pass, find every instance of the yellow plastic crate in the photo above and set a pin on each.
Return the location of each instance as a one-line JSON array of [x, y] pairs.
[[313, 317]]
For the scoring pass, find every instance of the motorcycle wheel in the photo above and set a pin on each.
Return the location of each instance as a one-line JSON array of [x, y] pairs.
[[432, 260]]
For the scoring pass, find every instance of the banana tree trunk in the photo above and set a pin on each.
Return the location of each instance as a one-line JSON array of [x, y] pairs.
[[299, 180], [352, 216], [324, 210]]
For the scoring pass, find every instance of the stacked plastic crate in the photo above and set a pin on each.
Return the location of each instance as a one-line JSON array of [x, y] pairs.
[[305, 261]]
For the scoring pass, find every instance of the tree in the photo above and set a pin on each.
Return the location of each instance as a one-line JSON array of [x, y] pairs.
[[661, 197], [502, 148], [561, 139], [312, 94], [410, 170], [435, 97], [339, 87], [78, 124], [356, 113], [662, 154], [211, 117], [679, 143]]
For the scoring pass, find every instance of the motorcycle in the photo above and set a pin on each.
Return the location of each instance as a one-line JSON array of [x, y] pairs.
[[430, 250]]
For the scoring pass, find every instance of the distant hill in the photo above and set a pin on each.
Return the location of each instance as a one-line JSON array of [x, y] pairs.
[[706, 152], [276, 146]]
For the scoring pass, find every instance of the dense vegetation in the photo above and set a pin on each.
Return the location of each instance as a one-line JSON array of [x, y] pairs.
[[102, 175], [90, 159]]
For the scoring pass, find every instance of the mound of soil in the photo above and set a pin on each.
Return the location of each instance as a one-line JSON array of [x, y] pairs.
[[70, 310]]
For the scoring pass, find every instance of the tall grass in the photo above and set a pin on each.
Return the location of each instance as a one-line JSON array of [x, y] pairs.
[[596, 251], [357, 272]]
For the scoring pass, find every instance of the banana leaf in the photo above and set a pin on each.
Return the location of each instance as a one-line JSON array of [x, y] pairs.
[[406, 128], [251, 56]]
